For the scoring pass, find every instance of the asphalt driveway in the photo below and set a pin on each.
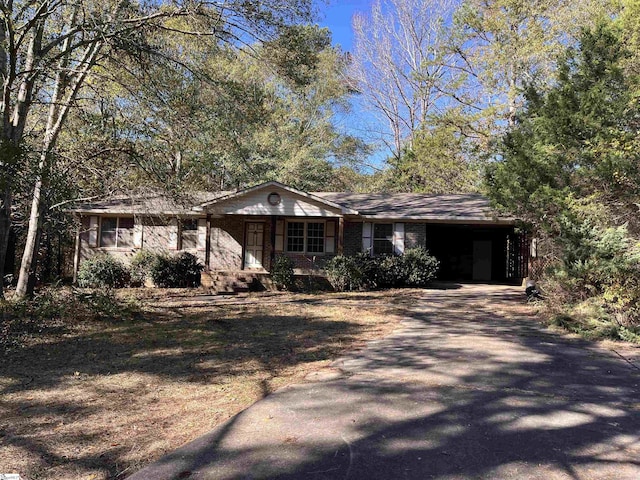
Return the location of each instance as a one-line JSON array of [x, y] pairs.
[[462, 390]]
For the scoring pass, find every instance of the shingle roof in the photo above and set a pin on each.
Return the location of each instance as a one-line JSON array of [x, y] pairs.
[[462, 207], [407, 206], [151, 204]]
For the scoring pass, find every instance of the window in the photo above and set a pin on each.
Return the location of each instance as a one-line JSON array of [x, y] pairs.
[[295, 237], [382, 238], [315, 237], [305, 237], [116, 232], [189, 234]]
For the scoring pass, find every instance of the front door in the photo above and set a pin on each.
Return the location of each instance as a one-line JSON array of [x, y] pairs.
[[482, 260], [253, 244]]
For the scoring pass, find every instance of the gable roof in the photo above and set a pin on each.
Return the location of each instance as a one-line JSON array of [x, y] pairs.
[[274, 184]]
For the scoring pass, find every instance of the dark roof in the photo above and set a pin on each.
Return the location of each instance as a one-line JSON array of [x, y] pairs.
[[407, 206], [150, 204], [461, 207]]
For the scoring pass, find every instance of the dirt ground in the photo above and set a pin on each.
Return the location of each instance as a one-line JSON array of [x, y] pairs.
[[98, 399]]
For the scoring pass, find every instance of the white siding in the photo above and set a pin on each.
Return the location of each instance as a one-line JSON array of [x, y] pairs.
[[291, 205]]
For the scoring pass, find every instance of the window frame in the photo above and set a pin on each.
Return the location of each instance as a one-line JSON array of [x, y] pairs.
[[305, 241], [374, 238], [117, 230], [195, 231]]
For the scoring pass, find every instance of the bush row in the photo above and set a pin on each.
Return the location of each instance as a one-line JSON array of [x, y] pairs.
[[416, 268], [166, 271]]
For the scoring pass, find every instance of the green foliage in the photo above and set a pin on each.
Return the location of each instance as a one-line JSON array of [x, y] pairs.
[[416, 268], [591, 319], [282, 273], [570, 167], [419, 267], [51, 309], [48, 304], [244, 118], [296, 52], [182, 270], [141, 264], [349, 273], [390, 271], [103, 271], [575, 141], [437, 162]]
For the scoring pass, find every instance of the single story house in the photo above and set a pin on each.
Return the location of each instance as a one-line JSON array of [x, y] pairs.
[[246, 229]]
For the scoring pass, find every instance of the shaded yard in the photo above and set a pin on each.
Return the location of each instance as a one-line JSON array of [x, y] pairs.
[[101, 398]]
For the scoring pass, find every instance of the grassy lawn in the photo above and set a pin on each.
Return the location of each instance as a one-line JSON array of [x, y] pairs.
[[87, 398]]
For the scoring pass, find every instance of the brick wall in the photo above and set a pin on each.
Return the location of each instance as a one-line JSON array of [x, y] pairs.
[[227, 242], [307, 262], [352, 238], [227, 235], [415, 235]]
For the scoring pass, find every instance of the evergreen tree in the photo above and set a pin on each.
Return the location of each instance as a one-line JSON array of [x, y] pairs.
[[570, 168]]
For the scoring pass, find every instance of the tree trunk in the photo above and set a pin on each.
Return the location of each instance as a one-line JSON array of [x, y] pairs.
[[13, 128], [26, 278], [57, 113], [5, 225]]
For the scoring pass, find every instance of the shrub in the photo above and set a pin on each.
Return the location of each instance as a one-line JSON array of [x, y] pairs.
[[362, 272], [105, 305], [182, 270], [599, 263], [141, 264], [103, 271], [282, 273], [350, 273], [391, 271], [419, 268]]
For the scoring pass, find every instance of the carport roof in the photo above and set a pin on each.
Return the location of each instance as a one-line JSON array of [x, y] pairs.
[[419, 206]]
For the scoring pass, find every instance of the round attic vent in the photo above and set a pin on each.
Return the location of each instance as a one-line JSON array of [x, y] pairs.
[[274, 199]]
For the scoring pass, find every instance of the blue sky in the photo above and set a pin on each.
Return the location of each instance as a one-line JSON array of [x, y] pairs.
[[337, 16]]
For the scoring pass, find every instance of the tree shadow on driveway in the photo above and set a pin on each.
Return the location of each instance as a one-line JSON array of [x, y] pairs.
[[462, 391]]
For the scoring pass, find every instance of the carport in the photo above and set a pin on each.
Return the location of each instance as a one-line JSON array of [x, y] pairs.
[[478, 253]]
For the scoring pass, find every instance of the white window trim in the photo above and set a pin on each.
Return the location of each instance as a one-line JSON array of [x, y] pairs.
[[116, 246], [200, 235], [304, 251], [181, 230]]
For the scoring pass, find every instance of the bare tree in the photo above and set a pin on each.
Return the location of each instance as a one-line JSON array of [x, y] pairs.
[[400, 64]]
